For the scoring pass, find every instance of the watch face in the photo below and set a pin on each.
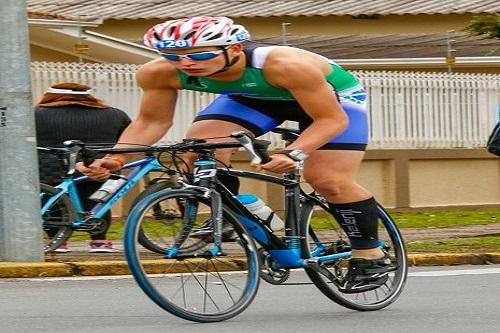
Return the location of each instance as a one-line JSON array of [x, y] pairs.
[[297, 154]]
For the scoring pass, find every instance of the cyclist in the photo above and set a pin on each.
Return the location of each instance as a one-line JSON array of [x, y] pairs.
[[260, 87]]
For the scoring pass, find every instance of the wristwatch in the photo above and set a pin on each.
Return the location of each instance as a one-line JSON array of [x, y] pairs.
[[296, 154]]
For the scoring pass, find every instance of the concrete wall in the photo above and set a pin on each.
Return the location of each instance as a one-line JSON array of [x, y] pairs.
[[405, 180], [434, 177], [421, 178], [39, 53]]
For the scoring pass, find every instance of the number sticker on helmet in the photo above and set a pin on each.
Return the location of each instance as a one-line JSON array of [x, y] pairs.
[[172, 44], [242, 37]]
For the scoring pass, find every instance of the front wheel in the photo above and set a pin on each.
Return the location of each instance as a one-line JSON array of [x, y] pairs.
[[190, 282], [163, 220], [325, 237], [57, 217]]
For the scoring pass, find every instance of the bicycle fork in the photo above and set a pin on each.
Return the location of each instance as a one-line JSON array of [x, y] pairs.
[[205, 174]]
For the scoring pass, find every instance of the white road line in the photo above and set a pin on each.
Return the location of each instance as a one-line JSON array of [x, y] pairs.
[[70, 278], [457, 272], [478, 271]]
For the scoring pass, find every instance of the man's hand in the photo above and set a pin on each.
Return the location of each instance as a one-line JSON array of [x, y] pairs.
[[280, 163], [99, 169]]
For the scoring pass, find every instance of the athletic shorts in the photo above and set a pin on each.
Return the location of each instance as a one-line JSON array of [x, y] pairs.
[[260, 116]]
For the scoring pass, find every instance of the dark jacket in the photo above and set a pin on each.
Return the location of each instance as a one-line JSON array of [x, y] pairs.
[[74, 122]]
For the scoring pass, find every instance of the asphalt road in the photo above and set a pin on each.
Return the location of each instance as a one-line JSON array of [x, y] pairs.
[[439, 299]]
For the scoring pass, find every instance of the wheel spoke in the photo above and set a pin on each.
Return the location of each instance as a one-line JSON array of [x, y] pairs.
[[328, 233], [192, 285]]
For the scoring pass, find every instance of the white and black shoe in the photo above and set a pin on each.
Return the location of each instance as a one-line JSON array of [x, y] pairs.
[[366, 274], [206, 231]]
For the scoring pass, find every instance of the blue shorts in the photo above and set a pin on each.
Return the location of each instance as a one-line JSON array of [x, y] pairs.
[[260, 116]]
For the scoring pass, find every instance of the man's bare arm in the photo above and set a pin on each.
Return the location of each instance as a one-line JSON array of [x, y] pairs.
[[157, 106], [305, 79], [159, 84]]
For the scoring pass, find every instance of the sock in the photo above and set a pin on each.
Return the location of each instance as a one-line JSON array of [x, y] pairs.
[[359, 220]]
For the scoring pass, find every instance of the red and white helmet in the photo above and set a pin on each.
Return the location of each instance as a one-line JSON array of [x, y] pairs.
[[195, 31]]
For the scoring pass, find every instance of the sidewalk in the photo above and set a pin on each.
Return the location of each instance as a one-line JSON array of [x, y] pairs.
[[80, 262], [114, 264]]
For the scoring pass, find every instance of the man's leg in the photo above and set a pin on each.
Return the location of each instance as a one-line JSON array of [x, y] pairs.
[[210, 129], [217, 128], [205, 129], [332, 173]]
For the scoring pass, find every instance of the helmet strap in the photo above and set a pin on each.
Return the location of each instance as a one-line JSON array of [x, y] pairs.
[[228, 64]]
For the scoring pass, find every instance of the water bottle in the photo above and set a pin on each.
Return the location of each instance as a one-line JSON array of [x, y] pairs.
[[256, 206], [110, 187]]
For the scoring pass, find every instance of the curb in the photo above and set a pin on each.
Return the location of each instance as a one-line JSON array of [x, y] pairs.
[[120, 267], [450, 259]]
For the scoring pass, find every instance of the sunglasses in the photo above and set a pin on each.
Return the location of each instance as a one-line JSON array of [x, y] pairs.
[[192, 56]]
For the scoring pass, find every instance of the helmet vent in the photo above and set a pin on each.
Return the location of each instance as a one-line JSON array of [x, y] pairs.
[[216, 36], [189, 35], [170, 31]]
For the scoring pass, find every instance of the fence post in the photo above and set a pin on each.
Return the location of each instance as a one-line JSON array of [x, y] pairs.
[[20, 227]]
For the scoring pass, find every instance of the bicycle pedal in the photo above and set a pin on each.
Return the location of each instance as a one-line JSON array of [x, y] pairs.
[[93, 225]]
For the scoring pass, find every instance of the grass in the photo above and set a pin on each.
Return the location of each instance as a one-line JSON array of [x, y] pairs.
[[460, 245], [440, 219], [446, 219]]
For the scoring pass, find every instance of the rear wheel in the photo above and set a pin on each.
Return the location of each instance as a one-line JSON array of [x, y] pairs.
[[200, 283], [57, 217], [325, 237]]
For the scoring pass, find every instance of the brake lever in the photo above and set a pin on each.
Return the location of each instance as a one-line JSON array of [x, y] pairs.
[[259, 155], [74, 148]]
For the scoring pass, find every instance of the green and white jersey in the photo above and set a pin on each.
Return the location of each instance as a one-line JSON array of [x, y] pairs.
[[253, 84]]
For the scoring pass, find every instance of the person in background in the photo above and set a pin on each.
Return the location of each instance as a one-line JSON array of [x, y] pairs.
[[68, 111]]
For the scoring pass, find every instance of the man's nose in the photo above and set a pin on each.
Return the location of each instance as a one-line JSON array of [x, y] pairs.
[[186, 61]]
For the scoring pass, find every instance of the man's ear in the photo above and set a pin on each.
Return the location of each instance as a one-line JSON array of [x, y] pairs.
[[235, 49]]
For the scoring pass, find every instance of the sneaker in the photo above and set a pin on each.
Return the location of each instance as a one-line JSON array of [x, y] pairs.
[[365, 274], [101, 246], [64, 248], [206, 231]]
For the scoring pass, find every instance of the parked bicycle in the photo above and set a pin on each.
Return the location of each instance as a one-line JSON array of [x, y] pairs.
[[61, 207], [217, 278]]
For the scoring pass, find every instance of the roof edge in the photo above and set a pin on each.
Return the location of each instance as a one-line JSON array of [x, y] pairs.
[[411, 62], [63, 23]]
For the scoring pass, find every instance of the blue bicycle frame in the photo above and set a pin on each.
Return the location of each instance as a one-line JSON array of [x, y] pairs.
[[285, 250], [140, 169]]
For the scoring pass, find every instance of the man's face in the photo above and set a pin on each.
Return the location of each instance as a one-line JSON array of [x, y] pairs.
[[200, 61]]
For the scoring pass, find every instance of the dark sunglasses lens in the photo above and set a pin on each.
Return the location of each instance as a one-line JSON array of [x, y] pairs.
[[171, 57], [203, 56]]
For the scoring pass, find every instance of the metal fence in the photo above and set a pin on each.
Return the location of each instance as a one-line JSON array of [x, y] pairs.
[[406, 109]]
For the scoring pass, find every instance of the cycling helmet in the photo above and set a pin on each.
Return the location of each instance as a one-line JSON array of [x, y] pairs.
[[195, 31]]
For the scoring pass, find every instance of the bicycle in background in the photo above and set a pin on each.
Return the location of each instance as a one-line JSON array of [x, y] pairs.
[[61, 208], [216, 278]]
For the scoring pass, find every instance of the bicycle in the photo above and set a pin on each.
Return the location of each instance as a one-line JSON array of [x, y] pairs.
[[222, 275], [61, 207]]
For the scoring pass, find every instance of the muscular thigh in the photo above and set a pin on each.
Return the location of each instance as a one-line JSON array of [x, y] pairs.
[[332, 166], [212, 128]]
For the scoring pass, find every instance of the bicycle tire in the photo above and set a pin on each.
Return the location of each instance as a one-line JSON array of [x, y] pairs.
[[59, 217], [150, 237], [222, 286], [337, 242]]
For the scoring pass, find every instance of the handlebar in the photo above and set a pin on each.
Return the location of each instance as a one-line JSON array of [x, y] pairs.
[[256, 148]]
